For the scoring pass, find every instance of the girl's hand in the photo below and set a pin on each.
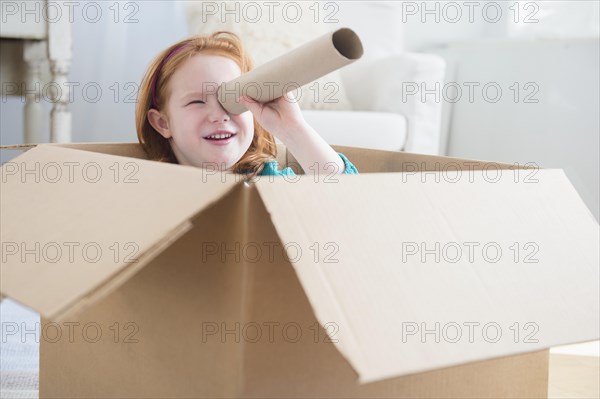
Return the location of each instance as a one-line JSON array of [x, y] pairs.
[[282, 118], [279, 117]]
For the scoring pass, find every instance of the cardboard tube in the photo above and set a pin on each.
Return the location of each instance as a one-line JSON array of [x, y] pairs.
[[292, 70]]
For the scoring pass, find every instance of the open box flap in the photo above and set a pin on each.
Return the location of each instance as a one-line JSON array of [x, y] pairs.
[[76, 223], [366, 273]]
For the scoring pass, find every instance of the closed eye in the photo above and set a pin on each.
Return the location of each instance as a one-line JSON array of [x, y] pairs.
[[197, 102]]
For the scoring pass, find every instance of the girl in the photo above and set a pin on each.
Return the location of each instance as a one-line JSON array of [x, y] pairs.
[[179, 120]]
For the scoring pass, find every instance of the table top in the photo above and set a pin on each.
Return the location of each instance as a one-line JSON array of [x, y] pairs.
[[22, 20]]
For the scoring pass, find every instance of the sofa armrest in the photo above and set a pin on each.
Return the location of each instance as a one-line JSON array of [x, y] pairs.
[[398, 84]]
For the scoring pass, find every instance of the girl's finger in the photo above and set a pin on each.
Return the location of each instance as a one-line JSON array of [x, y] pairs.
[[251, 100], [250, 103], [290, 96]]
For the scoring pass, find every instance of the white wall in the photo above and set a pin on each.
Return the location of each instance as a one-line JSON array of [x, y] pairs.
[[111, 52], [554, 122], [553, 45], [438, 23]]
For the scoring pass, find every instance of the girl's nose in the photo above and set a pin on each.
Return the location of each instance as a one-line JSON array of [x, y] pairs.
[[218, 113]]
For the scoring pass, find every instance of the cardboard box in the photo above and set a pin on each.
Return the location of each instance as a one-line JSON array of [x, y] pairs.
[[159, 280]]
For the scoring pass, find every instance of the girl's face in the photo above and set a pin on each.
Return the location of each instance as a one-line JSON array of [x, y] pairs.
[[196, 117]]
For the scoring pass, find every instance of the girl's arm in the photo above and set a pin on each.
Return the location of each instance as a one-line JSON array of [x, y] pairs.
[[282, 118], [312, 151]]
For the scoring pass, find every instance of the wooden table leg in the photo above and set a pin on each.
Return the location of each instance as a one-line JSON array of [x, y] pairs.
[[34, 52], [59, 52]]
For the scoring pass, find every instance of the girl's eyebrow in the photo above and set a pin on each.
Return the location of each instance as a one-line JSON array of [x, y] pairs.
[[191, 94]]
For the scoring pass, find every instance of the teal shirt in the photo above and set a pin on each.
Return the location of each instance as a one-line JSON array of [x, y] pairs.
[[270, 168]]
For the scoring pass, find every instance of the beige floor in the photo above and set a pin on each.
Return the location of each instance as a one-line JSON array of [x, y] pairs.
[[573, 376]]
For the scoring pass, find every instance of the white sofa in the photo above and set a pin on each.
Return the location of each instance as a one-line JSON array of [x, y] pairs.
[[373, 112], [381, 118]]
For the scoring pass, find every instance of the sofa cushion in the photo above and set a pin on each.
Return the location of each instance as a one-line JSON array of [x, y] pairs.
[[378, 130]]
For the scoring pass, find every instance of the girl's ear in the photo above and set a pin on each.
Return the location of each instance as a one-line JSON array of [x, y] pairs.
[[159, 123]]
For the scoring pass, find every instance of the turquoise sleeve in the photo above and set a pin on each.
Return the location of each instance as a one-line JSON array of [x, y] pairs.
[[270, 168], [350, 168]]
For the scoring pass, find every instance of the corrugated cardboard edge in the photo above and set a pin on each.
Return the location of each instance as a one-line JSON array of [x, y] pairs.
[[104, 147], [18, 146], [283, 154], [247, 276], [413, 156], [66, 145], [127, 148]]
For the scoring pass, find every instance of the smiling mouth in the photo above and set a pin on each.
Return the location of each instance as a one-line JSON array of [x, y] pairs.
[[220, 136]]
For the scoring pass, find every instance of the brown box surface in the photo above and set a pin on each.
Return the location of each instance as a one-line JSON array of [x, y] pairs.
[[317, 286]]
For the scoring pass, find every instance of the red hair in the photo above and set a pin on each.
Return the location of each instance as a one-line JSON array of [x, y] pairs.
[[262, 148]]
